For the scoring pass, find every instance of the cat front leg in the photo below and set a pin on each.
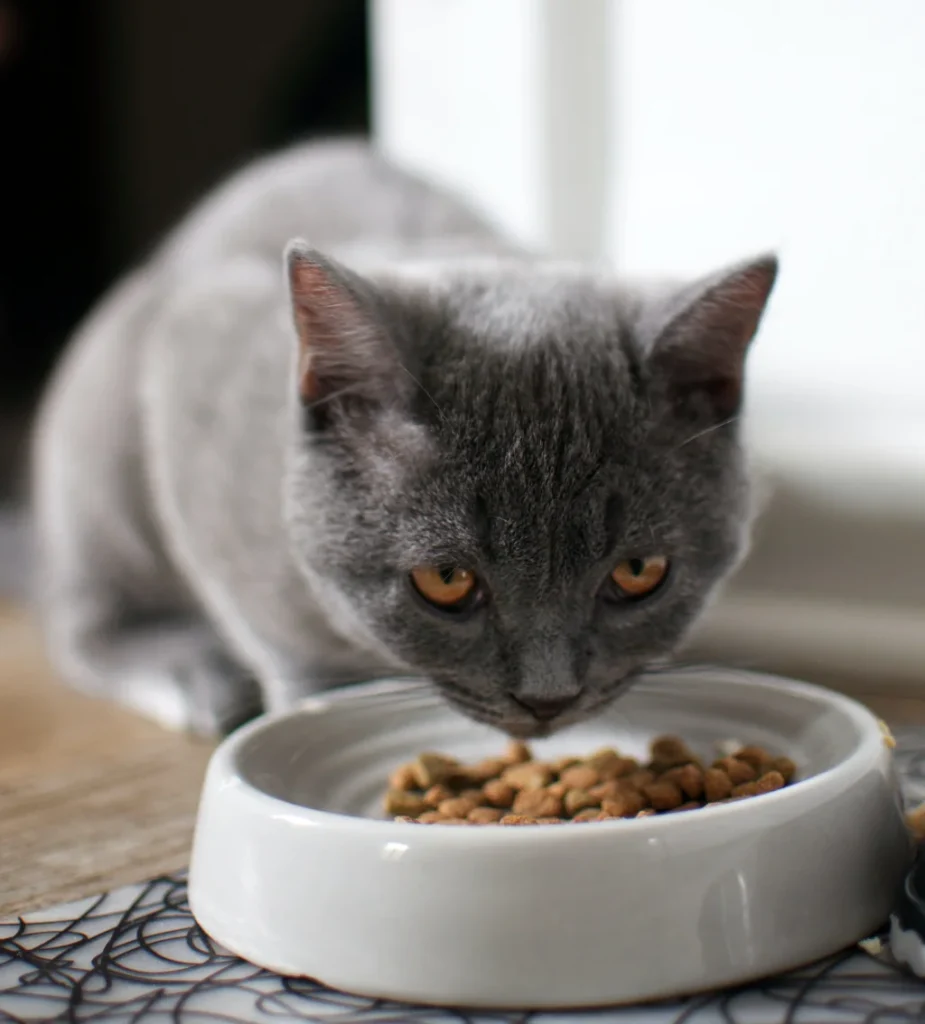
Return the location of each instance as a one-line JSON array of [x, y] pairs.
[[173, 669]]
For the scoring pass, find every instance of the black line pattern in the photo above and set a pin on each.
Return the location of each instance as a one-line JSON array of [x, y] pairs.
[[137, 955]]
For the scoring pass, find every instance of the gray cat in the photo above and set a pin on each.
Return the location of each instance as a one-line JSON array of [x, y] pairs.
[[266, 467]]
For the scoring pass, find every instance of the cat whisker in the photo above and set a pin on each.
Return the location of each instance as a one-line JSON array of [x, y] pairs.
[[708, 430], [426, 392]]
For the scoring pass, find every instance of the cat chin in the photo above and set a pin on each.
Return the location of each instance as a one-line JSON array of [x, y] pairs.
[[524, 727]]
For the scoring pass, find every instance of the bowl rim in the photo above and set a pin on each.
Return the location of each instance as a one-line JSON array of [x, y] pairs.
[[225, 762]]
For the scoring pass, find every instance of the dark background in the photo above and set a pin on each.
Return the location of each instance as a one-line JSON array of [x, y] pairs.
[[115, 116]]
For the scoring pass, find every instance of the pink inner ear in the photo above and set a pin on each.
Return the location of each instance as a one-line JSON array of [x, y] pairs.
[[703, 352], [318, 305], [742, 300]]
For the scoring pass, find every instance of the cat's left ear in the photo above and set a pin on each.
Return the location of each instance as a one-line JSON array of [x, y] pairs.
[[346, 356], [700, 355]]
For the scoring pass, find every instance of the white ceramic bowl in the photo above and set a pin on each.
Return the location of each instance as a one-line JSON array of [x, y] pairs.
[[290, 871]]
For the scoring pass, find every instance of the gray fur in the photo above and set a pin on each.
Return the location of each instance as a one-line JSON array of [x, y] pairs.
[[210, 544]]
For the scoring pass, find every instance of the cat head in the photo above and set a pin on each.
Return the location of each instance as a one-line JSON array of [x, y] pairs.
[[523, 482]]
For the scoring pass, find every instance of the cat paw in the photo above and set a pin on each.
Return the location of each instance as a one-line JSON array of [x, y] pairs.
[[204, 693]]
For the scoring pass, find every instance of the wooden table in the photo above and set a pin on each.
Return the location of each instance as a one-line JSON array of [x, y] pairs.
[[93, 797]]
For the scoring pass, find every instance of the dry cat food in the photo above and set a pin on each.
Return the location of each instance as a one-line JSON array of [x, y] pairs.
[[515, 789]]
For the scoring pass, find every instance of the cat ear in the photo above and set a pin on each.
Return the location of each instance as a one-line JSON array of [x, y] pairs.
[[345, 355], [700, 354]]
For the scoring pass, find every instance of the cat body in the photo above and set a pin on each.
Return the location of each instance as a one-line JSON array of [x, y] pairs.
[[263, 466]]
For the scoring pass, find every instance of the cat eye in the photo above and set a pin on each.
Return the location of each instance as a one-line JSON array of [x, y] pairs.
[[640, 577], [446, 587]]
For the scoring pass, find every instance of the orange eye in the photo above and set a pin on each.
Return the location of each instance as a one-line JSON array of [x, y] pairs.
[[443, 586], [637, 577]]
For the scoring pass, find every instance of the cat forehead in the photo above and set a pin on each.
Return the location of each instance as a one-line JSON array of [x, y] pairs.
[[534, 424], [522, 306]]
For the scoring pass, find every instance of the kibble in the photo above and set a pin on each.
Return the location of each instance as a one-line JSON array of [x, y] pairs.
[[664, 796], [430, 769], [402, 801], [517, 753], [580, 776], [624, 805], [485, 815], [537, 803], [716, 785], [738, 771], [499, 793], [576, 800], [457, 807], [531, 775], [516, 789], [437, 794]]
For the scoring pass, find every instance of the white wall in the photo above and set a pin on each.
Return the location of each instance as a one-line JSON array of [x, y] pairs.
[[797, 125], [507, 100]]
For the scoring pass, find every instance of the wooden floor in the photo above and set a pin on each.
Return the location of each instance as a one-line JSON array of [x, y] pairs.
[[91, 796]]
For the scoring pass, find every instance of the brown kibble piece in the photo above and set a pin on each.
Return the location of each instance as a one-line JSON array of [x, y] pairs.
[[746, 789], [476, 795], [576, 800], [716, 785], [558, 789], [625, 805], [689, 777], [601, 757], [457, 807], [559, 764], [533, 775], [537, 803], [517, 753], [770, 781], [498, 793], [550, 821], [437, 794], [403, 777], [664, 796], [606, 790], [738, 771], [482, 771], [589, 814], [485, 815], [617, 768], [431, 818], [610, 765], [670, 752], [646, 812], [430, 769], [581, 776], [517, 819], [638, 780], [400, 801], [759, 759], [406, 819], [691, 805], [786, 767]]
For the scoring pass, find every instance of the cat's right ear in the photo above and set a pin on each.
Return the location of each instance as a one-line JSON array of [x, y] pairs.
[[699, 351], [345, 357]]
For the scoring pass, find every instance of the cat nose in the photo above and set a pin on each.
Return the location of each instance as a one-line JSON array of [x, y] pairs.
[[545, 709]]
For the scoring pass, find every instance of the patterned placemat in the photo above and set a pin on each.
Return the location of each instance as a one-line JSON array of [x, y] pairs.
[[136, 954]]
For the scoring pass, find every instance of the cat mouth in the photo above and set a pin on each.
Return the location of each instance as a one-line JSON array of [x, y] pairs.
[[518, 724]]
